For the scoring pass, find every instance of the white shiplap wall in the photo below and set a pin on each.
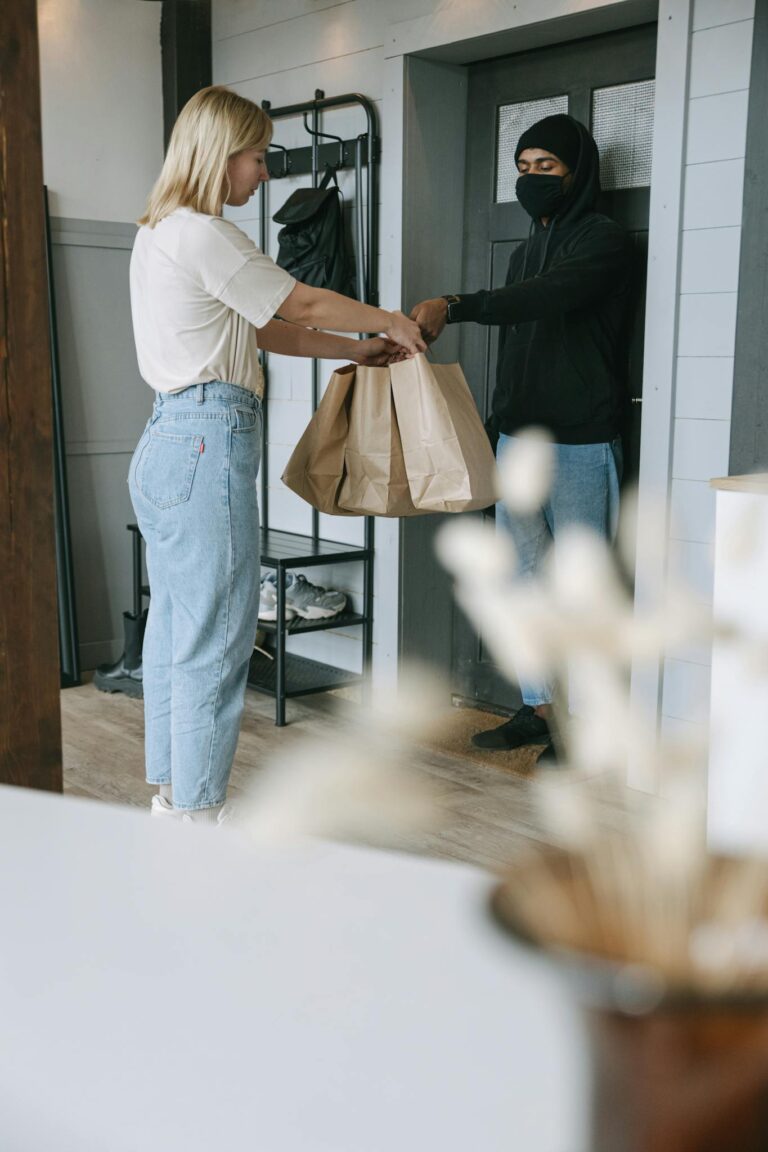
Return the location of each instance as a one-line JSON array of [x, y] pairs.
[[102, 106], [102, 141], [721, 46]]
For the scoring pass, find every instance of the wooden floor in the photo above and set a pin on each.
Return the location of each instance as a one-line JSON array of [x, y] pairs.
[[487, 815]]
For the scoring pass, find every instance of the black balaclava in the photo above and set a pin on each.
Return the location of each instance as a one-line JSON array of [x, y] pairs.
[[544, 195]]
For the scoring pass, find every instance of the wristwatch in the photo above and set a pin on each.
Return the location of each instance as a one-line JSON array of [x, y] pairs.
[[453, 301]]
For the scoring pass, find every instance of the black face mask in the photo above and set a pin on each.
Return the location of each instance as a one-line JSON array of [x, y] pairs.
[[540, 195]]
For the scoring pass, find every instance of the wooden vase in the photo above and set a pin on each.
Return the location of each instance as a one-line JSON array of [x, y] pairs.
[[673, 1069], [687, 1078]]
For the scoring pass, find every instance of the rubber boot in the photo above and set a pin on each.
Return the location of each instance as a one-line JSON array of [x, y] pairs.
[[126, 675]]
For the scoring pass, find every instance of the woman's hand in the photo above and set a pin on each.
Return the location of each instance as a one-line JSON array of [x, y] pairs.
[[292, 340], [406, 333], [378, 352]]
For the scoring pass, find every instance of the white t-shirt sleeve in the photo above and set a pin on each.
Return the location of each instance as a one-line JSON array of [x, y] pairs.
[[231, 268]]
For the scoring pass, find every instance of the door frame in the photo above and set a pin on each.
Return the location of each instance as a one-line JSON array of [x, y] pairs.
[[573, 70], [749, 416], [30, 724], [425, 94]]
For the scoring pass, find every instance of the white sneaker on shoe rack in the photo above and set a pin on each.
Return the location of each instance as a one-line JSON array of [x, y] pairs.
[[268, 601], [312, 601], [302, 598]]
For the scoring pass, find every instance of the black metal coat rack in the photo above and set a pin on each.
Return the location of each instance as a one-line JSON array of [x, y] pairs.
[[363, 155], [291, 675]]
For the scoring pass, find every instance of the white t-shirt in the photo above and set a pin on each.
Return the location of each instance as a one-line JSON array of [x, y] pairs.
[[199, 290]]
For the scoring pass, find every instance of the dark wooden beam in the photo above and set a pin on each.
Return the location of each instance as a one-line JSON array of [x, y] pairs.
[[30, 726], [749, 417], [185, 40]]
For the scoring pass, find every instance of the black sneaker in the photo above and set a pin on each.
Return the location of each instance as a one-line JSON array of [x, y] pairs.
[[550, 757], [525, 727]]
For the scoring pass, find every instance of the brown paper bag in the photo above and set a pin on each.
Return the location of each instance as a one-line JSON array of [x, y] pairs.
[[375, 481], [448, 459], [400, 441], [316, 468]]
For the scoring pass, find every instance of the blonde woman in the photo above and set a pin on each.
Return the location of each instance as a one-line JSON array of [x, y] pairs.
[[204, 299]]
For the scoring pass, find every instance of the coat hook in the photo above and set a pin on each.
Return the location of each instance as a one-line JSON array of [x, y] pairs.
[[286, 160], [327, 136]]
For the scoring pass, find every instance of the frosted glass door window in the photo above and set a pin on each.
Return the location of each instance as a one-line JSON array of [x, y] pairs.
[[513, 121], [622, 124]]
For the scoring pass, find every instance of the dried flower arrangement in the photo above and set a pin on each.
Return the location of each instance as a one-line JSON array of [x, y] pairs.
[[668, 941], [359, 784], [629, 877]]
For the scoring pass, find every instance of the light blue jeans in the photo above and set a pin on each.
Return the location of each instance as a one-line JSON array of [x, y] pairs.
[[193, 485], [585, 490]]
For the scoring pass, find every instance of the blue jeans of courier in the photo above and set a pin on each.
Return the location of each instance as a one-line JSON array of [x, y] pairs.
[[193, 485], [585, 491]]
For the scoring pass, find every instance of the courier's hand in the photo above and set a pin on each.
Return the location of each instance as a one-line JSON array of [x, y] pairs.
[[431, 316], [378, 352], [404, 332]]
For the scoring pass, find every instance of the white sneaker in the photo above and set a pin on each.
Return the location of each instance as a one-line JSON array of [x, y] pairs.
[[312, 601], [268, 602], [162, 807], [227, 815]]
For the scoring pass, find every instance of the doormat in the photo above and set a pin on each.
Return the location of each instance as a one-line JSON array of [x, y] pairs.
[[455, 738]]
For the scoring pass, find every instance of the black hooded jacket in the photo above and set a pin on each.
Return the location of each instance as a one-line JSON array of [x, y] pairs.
[[563, 312]]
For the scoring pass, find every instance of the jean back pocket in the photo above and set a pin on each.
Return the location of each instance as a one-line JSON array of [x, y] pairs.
[[166, 471]]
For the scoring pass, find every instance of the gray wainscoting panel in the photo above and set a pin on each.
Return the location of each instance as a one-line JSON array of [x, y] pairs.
[[106, 405]]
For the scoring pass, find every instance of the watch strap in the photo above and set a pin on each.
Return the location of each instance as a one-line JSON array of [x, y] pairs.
[[453, 302]]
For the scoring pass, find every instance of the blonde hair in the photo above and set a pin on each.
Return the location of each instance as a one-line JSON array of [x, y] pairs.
[[211, 127]]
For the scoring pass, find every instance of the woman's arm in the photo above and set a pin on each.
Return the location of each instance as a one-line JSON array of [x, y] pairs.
[[294, 340], [319, 308]]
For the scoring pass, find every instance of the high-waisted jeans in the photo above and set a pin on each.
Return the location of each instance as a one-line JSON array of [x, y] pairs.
[[585, 491], [193, 485]]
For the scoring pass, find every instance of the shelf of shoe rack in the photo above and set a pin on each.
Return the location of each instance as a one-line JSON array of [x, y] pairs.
[[303, 677], [298, 626], [288, 674]]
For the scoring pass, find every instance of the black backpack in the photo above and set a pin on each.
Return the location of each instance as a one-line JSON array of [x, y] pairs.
[[313, 245]]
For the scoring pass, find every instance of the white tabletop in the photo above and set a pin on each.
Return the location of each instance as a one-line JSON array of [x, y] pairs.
[[165, 987]]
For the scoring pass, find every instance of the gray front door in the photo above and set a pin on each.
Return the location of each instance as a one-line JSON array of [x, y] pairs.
[[607, 83]]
